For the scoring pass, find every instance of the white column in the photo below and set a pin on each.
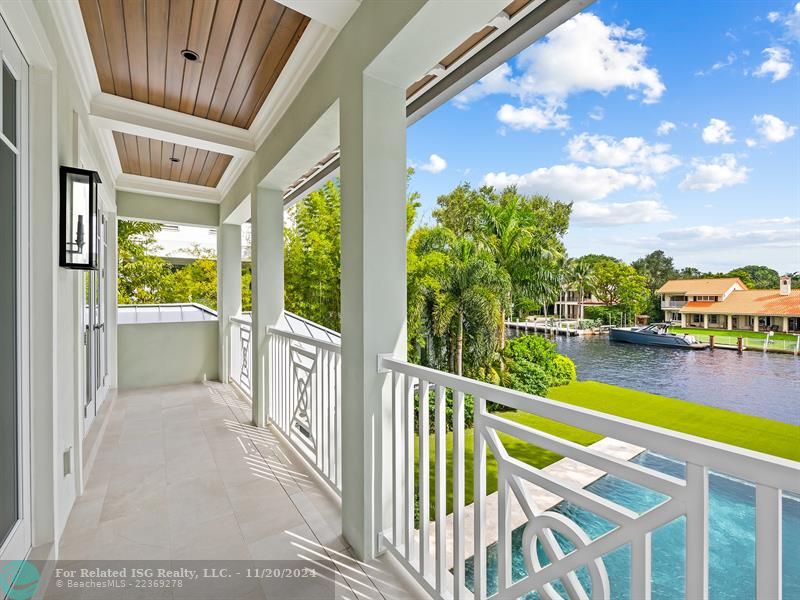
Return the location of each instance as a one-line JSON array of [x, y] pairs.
[[229, 290], [267, 247], [705, 321], [730, 321], [785, 327], [373, 176], [755, 322], [683, 320]]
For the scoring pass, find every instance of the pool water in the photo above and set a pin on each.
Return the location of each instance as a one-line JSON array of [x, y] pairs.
[[731, 540]]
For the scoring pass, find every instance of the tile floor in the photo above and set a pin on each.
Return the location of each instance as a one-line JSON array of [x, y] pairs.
[[182, 475]]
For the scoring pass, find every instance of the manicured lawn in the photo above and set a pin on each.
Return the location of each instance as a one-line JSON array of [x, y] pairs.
[[757, 335], [755, 433]]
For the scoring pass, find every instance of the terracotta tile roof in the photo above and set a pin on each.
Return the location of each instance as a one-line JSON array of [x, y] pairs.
[[750, 302], [700, 287]]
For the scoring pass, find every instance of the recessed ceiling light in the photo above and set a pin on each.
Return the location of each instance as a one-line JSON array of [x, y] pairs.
[[174, 159], [190, 55]]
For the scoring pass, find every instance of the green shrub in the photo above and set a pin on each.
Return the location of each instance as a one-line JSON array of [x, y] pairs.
[[529, 377], [562, 370], [534, 365]]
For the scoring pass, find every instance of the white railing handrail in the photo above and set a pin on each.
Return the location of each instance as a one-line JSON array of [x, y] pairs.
[[241, 321], [304, 339], [750, 465]]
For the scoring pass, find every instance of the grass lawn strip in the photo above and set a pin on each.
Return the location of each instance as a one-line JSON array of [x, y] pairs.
[[753, 335]]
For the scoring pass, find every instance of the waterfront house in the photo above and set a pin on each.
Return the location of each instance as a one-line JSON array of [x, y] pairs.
[[171, 433], [726, 303], [570, 306]]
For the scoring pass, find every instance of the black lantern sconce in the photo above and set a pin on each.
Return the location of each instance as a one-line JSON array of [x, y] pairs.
[[79, 219]]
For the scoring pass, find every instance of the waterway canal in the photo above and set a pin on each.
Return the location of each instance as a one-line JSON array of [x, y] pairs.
[[765, 385]]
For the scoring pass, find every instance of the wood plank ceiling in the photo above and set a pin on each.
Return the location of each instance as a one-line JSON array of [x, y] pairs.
[[242, 46], [164, 160]]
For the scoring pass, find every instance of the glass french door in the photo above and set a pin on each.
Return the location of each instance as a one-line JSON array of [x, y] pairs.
[[15, 525], [94, 337]]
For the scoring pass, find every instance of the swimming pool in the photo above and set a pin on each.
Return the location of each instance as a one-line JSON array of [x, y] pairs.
[[731, 539]]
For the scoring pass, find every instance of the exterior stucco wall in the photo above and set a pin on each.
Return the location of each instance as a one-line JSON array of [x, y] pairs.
[[153, 354]]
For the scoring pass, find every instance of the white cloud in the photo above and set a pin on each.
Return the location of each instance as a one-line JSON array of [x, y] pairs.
[[750, 142], [620, 213], [721, 64], [586, 54], [597, 113], [790, 21], [583, 54], [499, 81], [435, 164], [632, 153], [778, 63], [570, 183], [722, 171], [772, 221], [533, 118], [773, 129], [665, 127], [718, 132], [724, 236]]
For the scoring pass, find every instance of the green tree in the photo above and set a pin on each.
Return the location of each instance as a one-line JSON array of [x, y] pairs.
[[312, 257], [143, 277], [196, 281], [757, 276], [619, 285], [522, 246], [657, 268], [468, 303], [582, 278], [462, 210]]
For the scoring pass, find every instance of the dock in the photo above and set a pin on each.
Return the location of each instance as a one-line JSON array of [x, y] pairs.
[[566, 328]]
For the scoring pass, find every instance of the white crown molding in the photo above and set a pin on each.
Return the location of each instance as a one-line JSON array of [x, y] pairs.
[[313, 45], [333, 13], [164, 187], [138, 118], [69, 22]]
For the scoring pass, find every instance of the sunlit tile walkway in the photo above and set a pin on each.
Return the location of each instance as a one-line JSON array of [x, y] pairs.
[[181, 475]]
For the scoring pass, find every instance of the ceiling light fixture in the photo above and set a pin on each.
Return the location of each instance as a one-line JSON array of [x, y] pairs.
[[174, 159], [190, 55]]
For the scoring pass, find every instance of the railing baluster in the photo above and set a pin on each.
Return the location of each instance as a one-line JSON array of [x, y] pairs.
[[641, 567], [697, 532], [504, 534], [478, 499], [396, 471], [769, 543], [458, 494], [440, 481], [424, 477], [408, 397]]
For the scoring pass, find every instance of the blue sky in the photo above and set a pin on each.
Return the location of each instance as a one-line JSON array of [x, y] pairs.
[[671, 125]]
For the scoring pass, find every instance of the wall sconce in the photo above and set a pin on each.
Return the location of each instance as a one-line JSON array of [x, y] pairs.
[[79, 218]]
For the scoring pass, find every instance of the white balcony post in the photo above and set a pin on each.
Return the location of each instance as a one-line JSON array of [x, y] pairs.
[[373, 176], [267, 240], [229, 290]]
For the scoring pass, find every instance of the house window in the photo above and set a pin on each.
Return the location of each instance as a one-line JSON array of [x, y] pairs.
[[712, 319]]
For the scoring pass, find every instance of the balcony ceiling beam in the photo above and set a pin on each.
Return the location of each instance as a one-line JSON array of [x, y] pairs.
[[128, 116]]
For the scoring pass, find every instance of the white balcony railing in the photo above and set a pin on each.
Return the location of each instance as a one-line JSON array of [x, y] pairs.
[[672, 304], [241, 356], [408, 536], [305, 373]]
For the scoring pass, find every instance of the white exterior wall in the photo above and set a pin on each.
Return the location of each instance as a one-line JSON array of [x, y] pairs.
[[58, 127]]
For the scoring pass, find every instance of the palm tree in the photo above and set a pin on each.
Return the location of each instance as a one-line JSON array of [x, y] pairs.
[[469, 301], [510, 234], [582, 277]]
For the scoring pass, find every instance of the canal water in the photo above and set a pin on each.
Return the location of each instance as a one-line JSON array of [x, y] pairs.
[[764, 385]]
